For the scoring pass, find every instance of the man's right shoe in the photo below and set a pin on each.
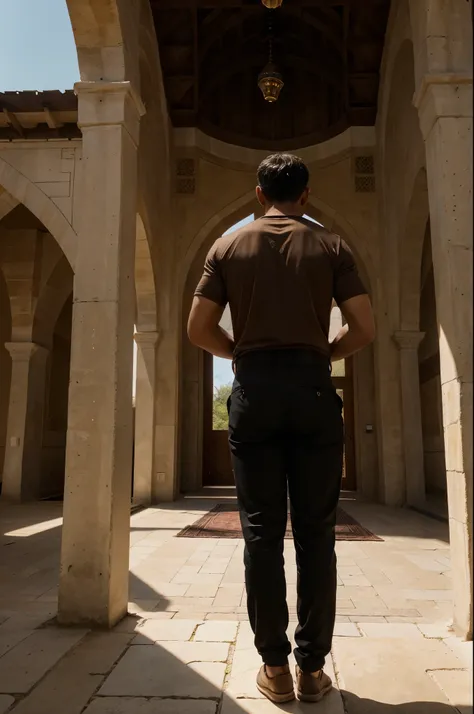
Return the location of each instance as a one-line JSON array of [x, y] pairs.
[[312, 687], [279, 689]]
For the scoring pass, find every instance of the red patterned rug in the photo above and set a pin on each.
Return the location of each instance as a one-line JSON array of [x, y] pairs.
[[224, 522]]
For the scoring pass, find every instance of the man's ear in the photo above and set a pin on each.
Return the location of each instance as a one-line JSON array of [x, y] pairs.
[[305, 197], [260, 196]]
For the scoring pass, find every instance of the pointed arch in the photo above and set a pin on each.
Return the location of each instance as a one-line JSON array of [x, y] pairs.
[[245, 205], [25, 191]]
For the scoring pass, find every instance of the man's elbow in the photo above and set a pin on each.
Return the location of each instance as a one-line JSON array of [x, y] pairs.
[[194, 334], [367, 334]]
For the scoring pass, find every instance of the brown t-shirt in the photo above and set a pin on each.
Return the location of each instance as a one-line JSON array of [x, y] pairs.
[[279, 276]]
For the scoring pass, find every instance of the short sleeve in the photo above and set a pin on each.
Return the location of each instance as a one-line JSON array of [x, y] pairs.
[[212, 286], [347, 283]]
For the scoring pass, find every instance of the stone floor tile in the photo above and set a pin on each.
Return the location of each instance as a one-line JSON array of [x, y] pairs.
[[368, 618], [390, 671], [198, 557], [230, 595], [457, 686], [6, 702], [207, 579], [189, 614], [220, 616], [436, 595], [30, 660], [214, 568], [354, 592], [151, 631], [77, 676], [173, 589], [245, 665], [10, 638], [216, 632], [462, 650], [153, 672], [346, 630], [202, 590], [390, 630], [137, 705], [436, 631], [348, 570], [332, 704], [24, 621], [139, 606], [129, 624], [174, 604], [188, 652]]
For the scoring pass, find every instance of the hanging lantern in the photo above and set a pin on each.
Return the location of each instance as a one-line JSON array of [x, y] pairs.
[[270, 82], [272, 4]]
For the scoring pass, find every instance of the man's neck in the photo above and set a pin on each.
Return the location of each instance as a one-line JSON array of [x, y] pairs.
[[287, 209]]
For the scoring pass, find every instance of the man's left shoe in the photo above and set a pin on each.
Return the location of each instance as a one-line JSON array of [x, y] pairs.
[[279, 689]]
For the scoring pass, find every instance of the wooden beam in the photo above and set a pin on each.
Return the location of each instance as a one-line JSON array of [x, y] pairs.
[[195, 61], [225, 4], [51, 121], [13, 121]]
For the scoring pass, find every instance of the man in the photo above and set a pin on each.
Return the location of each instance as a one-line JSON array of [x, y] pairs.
[[280, 276]]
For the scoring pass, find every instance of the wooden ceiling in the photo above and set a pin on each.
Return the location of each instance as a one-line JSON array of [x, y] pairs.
[[328, 51]]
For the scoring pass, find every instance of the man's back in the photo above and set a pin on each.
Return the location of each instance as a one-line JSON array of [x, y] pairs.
[[280, 275]]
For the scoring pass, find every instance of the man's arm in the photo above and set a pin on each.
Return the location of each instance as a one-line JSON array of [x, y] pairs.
[[204, 330], [359, 330]]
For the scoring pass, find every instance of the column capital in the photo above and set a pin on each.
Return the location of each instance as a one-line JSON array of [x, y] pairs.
[[24, 351], [146, 339], [109, 104], [408, 339], [448, 94]]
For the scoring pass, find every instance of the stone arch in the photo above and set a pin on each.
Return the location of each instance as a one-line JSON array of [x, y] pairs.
[[246, 204], [25, 191], [192, 361], [52, 298], [411, 251], [7, 203], [398, 34], [5, 364], [145, 285], [52, 329], [104, 31]]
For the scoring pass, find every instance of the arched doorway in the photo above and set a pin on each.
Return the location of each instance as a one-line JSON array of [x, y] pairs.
[[38, 283], [204, 453]]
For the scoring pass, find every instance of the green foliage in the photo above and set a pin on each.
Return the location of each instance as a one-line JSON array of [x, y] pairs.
[[220, 419]]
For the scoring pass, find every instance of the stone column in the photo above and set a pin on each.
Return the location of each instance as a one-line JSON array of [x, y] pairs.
[[408, 343], [444, 103], [22, 467], [93, 584], [144, 417]]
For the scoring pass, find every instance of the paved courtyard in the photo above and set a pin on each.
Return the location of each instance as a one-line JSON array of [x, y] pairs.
[[186, 647]]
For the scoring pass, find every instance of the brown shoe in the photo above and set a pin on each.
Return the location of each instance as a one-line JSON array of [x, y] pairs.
[[312, 687], [279, 689]]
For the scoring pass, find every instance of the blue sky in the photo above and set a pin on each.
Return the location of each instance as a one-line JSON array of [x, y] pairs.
[[37, 49]]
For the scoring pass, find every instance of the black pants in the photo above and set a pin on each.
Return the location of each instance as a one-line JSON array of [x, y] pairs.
[[286, 436]]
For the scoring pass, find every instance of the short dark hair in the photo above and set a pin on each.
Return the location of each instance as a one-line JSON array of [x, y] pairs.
[[283, 177]]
